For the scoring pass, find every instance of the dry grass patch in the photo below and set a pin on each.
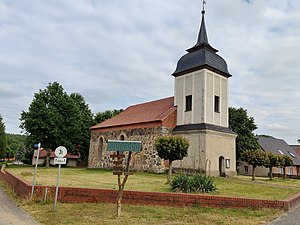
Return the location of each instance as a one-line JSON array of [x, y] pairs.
[[93, 178], [136, 215], [237, 187], [241, 186]]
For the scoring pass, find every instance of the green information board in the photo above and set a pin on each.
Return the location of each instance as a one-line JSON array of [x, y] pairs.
[[122, 146]]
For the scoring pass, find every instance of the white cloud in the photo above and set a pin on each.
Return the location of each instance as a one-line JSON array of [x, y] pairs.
[[117, 53]]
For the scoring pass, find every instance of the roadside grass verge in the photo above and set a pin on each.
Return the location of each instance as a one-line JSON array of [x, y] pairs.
[[105, 214], [240, 186]]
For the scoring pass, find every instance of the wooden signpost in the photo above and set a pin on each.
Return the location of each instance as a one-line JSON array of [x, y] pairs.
[[118, 148]]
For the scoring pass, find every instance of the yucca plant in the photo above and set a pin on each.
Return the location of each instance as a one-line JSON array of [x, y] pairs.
[[193, 184], [181, 183]]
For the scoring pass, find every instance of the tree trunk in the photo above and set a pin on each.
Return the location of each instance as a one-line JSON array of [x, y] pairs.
[[284, 172], [122, 185], [170, 172], [271, 173], [253, 173], [120, 196], [48, 158]]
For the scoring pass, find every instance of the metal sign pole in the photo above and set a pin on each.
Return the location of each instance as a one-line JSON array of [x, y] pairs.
[[35, 169], [60, 153], [56, 192]]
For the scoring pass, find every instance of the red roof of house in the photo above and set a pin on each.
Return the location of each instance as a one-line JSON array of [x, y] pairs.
[[142, 113], [43, 154]]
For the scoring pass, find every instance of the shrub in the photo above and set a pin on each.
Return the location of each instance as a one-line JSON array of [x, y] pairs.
[[26, 161], [203, 184], [181, 183], [193, 184]]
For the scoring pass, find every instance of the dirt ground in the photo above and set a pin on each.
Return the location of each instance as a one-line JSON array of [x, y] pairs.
[[10, 213]]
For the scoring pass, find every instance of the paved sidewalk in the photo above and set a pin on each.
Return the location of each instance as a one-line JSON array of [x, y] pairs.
[[11, 214], [289, 218]]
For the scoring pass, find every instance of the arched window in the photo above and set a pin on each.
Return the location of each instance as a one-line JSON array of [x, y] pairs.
[[122, 137], [101, 141]]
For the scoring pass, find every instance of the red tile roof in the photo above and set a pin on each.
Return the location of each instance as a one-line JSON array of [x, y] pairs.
[[142, 113], [43, 154]]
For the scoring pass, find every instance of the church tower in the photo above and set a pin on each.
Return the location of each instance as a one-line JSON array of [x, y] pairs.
[[201, 97]]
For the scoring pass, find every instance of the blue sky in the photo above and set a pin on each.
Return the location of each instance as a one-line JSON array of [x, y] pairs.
[[118, 53]]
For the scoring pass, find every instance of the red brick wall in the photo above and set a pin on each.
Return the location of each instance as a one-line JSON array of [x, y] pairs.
[[171, 120], [77, 195], [90, 195], [19, 186]]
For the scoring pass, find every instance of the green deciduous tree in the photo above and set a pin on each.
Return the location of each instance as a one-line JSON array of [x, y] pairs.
[[102, 116], [86, 115], [171, 148], [285, 161], [14, 141], [55, 118], [255, 158], [3, 141], [243, 125], [274, 161]]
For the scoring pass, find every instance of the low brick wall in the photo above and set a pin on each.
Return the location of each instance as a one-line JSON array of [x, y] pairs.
[[92, 195], [293, 201], [18, 185]]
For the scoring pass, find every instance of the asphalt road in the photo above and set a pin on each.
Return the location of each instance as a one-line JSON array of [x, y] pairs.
[[11, 214]]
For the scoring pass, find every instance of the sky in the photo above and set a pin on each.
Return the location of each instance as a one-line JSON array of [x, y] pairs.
[[118, 53]]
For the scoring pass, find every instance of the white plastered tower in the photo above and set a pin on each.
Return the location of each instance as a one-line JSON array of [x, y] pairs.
[[201, 97]]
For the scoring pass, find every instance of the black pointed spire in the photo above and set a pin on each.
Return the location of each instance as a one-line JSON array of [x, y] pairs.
[[202, 36], [201, 55]]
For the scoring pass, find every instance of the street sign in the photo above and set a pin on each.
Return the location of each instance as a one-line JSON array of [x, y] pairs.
[[60, 152], [36, 146], [121, 146], [58, 161]]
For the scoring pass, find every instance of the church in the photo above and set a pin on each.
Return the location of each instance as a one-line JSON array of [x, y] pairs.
[[198, 111]]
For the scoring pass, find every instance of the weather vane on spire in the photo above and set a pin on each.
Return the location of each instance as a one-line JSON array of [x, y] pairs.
[[203, 9]]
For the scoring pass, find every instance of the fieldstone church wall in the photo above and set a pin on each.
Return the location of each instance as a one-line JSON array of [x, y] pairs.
[[147, 160]]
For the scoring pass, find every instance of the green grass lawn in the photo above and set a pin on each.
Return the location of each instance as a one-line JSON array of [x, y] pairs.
[[69, 213], [105, 214], [240, 186]]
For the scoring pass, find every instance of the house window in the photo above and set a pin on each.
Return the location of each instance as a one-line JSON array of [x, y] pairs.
[[281, 170], [246, 169], [227, 162], [217, 103], [290, 171], [188, 103]]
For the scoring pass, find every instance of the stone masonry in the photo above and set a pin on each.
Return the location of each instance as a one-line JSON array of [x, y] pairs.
[[147, 160]]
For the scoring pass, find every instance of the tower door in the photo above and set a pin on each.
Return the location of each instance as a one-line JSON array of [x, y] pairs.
[[222, 166]]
